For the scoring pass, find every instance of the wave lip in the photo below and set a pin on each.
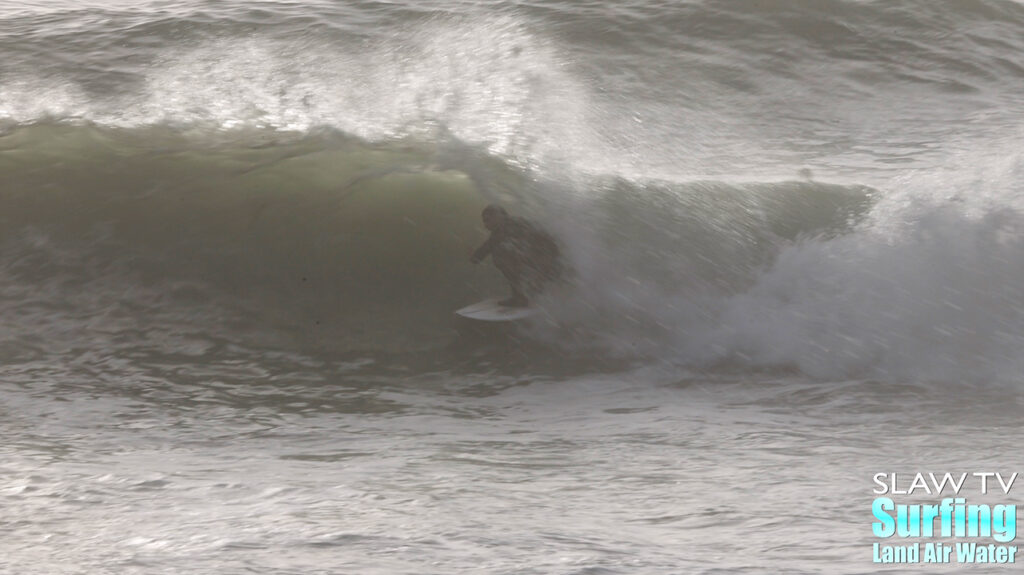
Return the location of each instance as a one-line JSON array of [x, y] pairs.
[[702, 88]]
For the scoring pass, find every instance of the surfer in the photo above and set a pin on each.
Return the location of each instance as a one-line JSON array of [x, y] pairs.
[[525, 254]]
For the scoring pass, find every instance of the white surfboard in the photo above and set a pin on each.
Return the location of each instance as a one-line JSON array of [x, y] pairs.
[[491, 310]]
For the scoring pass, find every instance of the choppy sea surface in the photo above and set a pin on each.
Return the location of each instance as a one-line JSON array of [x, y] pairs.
[[232, 235]]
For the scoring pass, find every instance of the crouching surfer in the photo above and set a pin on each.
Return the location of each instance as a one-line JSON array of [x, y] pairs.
[[525, 254]]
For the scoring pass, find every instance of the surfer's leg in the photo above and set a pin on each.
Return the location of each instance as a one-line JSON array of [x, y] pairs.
[[535, 272], [510, 265], [518, 299]]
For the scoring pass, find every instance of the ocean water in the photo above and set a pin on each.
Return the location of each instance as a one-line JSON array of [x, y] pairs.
[[232, 235]]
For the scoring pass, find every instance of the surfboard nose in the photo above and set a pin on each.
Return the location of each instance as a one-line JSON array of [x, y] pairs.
[[491, 310]]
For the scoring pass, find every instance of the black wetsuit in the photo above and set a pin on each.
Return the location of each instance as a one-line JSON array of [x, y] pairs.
[[526, 255]]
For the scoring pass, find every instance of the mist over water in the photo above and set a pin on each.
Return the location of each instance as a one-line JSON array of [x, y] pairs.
[[232, 236]]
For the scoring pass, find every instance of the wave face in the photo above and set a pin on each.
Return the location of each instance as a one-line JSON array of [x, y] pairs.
[[832, 186]]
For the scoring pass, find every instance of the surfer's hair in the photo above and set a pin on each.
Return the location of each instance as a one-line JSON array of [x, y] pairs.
[[494, 211]]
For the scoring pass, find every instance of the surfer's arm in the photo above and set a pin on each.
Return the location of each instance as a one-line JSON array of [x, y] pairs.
[[484, 250]]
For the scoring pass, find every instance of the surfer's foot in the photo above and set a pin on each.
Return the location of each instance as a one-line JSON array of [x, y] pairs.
[[515, 301]]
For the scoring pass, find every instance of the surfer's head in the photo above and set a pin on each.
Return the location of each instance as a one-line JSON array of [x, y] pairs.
[[494, 217]]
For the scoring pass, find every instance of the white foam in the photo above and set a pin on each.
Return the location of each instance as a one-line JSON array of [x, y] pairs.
[[929, 288], [25, 98], [486, 81]]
